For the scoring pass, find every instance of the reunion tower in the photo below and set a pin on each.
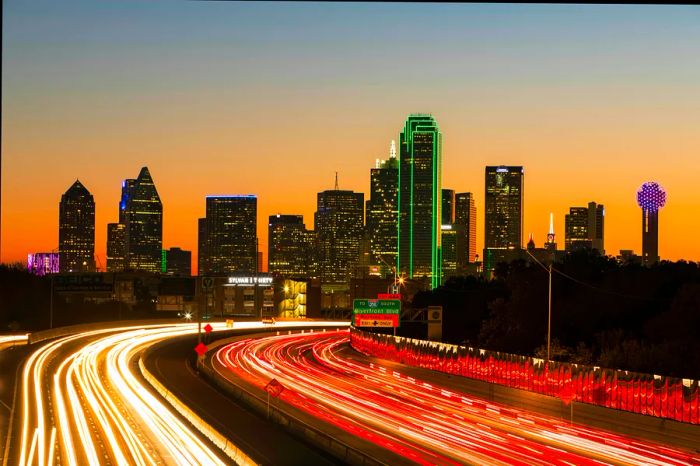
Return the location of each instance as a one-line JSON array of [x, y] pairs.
[[651, 197]]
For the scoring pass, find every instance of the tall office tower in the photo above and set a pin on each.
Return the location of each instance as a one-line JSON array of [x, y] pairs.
[[382, 212], [465, 215], [584, 228], [448, 206], [504, 215], [338, 223], [551, 243], [651, 197], [453, 246], [420, 199], [596, 226], [202, 265], [116, 247], [141, 212], [76, 230], [178, 262], [288, 251], [231, 235]]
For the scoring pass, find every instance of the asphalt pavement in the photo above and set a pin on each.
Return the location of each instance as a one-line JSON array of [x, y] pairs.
[[172, 363]]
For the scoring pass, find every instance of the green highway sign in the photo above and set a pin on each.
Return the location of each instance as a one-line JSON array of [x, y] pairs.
[[376, 306]]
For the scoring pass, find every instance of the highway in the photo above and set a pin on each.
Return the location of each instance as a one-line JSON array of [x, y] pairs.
[[83, 401], [423, 422]]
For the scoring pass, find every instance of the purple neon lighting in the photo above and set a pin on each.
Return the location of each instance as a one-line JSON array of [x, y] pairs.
[[42, 263], [651, 196]]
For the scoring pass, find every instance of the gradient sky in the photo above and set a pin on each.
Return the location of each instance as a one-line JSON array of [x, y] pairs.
[[274, 98]]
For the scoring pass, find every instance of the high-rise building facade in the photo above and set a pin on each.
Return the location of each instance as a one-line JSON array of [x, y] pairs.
[[202, 265], [289, 249], [420, 199], [584, 228], [76, 230], [448, 206], [453, 246], [503, 220], [338, 223], [116, 247], [141, 211], [465, 215], [178, 262], [230, 244], [382, 212]]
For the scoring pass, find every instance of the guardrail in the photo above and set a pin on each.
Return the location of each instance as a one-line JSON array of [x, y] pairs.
[[652, 395], [288, 421], [227, 446]]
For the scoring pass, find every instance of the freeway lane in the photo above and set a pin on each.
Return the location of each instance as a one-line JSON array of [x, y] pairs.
[[429, 424], [264, 442], [83, 401], [81, 404]]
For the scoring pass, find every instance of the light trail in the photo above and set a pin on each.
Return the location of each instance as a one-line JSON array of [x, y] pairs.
[[424, 422], [84, 402]]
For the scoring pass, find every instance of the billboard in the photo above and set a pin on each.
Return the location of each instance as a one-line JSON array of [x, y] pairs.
[[376, 312]]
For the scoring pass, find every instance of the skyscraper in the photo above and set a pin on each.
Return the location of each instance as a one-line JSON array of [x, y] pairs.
[[448, 206], [465, 215], [141, 211], [584, 228], [453, 246], [231, 235], [202, 265], [289, 250], [338, 223], [420, 199], [504, 214], [382, 211], [116, 247], [651, 197], [76, 230]]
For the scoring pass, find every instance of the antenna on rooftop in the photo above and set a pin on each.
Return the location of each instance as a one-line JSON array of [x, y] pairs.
[[336, 181]]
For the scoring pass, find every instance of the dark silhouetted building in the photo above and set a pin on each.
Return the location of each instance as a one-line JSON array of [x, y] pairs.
[[116, 247], [504, 215], [382, 212], [453, 246], [584, 228], [465, 215], [448, 206], [338, 223], [290, 249], [76, 230], [230, 235], [178, 262], [141, 212], [420, 199], [202, 246]]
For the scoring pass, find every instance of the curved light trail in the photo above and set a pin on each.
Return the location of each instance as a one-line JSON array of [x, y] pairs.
[[82, 402], [423, 422]]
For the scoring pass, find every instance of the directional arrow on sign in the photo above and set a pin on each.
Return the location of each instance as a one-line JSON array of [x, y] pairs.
[[200, 349], [208, 328]]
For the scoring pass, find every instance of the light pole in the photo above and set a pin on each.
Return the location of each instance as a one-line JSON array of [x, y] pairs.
[[549, 304]]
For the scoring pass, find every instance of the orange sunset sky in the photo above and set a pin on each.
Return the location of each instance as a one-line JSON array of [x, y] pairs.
[[273, 99]]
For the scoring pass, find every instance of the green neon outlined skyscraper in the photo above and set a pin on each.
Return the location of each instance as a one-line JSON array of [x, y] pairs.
[[420, 199]]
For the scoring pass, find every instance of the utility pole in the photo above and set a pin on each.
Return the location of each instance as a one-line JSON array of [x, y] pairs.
[[549, 318]]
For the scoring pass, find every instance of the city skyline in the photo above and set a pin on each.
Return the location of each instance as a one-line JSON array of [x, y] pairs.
[[594, 127]]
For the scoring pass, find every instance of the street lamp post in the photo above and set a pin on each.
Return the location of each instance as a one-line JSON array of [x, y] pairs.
[[549, 304]]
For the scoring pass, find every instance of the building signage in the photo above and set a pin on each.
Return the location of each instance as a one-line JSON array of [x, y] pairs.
[[250, 281], [376, 312]]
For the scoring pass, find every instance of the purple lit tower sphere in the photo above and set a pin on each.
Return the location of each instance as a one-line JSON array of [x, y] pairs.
[[650, 197]]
